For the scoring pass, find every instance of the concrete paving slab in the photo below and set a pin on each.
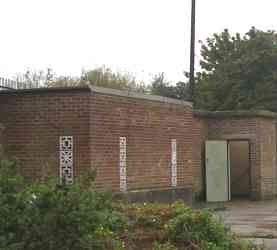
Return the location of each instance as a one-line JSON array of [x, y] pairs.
[[270, 244], [251, 219]]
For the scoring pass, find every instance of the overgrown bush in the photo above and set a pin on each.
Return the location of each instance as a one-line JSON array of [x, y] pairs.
[[49, 216], [198, 228], [177, 226], [10, 208], [164, 246]]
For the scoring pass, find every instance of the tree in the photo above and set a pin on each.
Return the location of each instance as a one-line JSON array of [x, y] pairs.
[[65, 81], [102, 77], [238, 72], [105, 77], [160, 86]]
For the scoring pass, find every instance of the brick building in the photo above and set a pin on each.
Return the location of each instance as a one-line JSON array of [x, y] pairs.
[[256, 129], [147, 147]]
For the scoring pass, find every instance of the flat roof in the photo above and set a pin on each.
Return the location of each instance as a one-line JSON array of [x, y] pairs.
[[136, 95], [100, 90], [235, 114]]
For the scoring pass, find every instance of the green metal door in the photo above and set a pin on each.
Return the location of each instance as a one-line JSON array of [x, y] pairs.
[[217, 171]]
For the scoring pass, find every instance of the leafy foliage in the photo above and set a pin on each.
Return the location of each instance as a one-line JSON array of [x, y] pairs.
[[176, 226], [10, 207], [160, 86], [101, 77], [238, 72], [48, 216], [199, 228], [164, 246], [65, 81], [105, 77]]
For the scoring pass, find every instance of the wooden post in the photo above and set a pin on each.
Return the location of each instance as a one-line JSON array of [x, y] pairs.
[[192, 50]]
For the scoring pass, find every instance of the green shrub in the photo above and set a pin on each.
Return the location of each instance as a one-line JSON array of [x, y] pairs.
[[10, 207], [239, 244], [48, 216], [164, 246], [199, 228], [177, 226], [67, 218]]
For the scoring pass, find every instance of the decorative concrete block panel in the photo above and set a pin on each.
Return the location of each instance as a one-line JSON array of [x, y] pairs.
[[174, 163], [123, 163], [66, 159]]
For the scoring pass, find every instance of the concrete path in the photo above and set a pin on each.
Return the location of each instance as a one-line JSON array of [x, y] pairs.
[[250, 219], [270, 244]]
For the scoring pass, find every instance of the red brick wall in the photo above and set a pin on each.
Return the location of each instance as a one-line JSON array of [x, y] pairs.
[[200, 135], [33, 123], [267, 133], [149, 127], [1, 132], [34, 120]]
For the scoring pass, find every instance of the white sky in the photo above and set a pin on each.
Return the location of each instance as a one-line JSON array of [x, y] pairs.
[[140, 36]]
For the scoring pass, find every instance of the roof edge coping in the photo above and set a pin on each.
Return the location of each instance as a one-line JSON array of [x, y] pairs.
[[235, 114], [132, 94]]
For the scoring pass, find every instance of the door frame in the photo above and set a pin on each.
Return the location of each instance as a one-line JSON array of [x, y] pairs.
[[228, 141], [249, 162]]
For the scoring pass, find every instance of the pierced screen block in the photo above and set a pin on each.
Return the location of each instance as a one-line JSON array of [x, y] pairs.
[[173, 163], [66, 159], [123, 164]]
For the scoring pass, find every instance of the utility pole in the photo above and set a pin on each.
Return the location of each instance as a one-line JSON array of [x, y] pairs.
[[192, 50]]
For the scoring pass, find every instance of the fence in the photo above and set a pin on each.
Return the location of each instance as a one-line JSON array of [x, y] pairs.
[[6, 83]]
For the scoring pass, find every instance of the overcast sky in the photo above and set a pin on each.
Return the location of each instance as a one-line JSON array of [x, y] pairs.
[[140, 36]]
